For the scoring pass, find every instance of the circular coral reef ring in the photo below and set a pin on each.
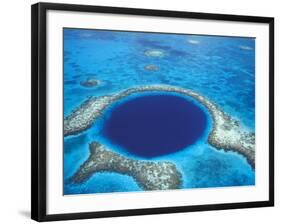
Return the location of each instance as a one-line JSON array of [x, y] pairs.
[[226, 133], [151, 124], [155, 53]]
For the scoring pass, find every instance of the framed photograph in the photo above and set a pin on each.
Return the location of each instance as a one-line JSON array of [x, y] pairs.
[[140, 111]]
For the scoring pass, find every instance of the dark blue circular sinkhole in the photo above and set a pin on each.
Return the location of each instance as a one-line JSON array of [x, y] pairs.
[[155, 125]]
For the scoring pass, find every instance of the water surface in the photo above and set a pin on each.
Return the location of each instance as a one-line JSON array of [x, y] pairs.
[[221, 69]]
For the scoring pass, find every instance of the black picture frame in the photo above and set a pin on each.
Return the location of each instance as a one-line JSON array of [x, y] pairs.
[[39, 121]]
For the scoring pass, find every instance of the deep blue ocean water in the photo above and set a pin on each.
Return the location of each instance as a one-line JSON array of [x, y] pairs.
[[219, 68], [138, 127]]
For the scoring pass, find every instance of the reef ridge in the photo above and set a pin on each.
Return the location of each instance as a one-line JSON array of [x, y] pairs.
[[149, 175], [226, 134]]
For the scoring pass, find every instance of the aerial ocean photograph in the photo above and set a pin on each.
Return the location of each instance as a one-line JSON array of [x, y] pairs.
[[148, 111]]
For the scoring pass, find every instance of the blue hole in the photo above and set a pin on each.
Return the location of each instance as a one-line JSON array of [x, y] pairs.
[[155, 125]]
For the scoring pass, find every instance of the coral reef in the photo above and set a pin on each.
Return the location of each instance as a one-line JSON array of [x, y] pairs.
[[244, 47], [154, 53], [89, 83], [226, 133], [151, 67], [191, 41], [149, 175]]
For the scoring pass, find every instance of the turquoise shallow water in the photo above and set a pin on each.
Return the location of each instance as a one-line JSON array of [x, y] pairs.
[[219, 68]]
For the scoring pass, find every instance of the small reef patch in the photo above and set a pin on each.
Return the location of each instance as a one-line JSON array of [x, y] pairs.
[[246, 48], [155, 53], [191, 41], [149, 175], [151, 67], [89, 83]]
